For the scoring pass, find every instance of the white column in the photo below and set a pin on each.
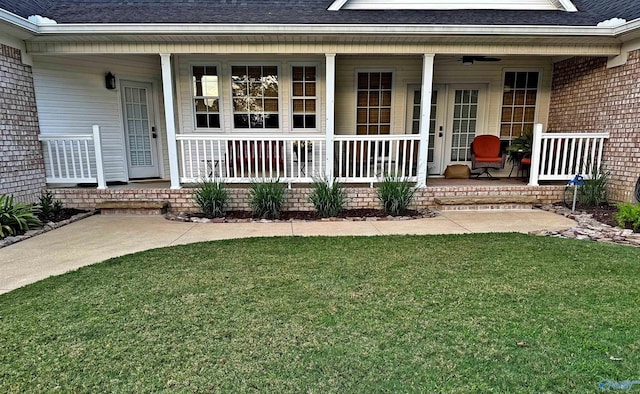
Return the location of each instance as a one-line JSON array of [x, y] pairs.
[[425, 113], [170, 119], [536, 150], [330, 100], [97, 146]]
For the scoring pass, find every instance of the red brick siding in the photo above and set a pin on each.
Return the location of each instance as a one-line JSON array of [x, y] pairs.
[[297, 198], [586, 96], [21, 163]]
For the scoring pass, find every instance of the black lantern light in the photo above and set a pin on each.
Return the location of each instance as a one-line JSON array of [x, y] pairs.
[[110, 81]]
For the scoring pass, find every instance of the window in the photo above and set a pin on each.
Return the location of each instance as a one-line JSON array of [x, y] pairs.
[[255, 97], [206, 98], [304, 97], [518, 103], [374, 103]]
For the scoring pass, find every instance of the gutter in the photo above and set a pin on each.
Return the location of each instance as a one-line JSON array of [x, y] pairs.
[[324, 29], [19, 23]]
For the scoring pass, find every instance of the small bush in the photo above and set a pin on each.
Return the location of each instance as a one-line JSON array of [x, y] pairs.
[[395, 195], [594, 190], [628, 215], [16, 218], [327, 197], [50, 209], [266, 199], [212, 198]]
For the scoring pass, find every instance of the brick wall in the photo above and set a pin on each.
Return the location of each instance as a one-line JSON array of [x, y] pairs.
[[586, 96], [298, 198], [21, 163]]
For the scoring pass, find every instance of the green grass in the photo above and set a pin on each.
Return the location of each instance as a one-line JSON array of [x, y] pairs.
[[380, 314]]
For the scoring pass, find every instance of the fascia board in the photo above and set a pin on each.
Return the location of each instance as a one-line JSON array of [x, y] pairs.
[[18, 26], [319, 29], [628, 31]]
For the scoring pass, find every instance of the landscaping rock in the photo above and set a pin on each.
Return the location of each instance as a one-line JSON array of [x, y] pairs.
[[590, 229]]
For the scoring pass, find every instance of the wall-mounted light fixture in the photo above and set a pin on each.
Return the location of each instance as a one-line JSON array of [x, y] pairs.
[[467, 60], [110, 81]]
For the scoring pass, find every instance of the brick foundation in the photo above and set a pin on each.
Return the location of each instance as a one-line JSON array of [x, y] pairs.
[[21, 161], [298, 198], [587, 96]]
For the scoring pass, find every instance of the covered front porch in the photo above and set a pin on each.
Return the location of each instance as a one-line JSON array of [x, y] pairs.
[[238, 118]]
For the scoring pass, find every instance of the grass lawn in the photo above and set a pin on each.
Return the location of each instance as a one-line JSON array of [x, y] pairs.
[[380, 314]]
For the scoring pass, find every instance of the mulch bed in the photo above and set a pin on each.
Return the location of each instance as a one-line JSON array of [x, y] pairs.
[[348, 214], [603, 213], [65, 213]]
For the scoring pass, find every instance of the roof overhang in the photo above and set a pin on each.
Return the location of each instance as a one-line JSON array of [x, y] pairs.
[[16, 26], [606, 39]]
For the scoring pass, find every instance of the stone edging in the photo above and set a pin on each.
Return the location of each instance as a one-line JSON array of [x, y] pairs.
[[47, 227], [184, 217], [589, 229]]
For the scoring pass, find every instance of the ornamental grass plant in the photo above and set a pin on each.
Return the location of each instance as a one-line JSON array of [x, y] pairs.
[[266, 199], [327, 197]]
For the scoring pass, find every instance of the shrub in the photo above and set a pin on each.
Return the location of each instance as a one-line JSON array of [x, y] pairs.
[[16, 218], [628, 215], [266, 199], [396, 195], [594, 190], [327, 197], [211, 197], [49, 208]]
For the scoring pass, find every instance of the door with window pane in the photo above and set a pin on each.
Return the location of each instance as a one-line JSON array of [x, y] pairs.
[[466, 120], [436, 123], [140, 134]]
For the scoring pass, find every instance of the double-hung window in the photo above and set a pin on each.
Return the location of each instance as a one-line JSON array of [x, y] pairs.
[[520, 94], [255, 95], [206, 97], [374, 103], [303, 96]]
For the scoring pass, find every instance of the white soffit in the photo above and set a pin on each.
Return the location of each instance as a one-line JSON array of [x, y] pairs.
[[544, 5]]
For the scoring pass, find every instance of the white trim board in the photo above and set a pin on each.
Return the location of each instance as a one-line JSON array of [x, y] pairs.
[[552, 5]]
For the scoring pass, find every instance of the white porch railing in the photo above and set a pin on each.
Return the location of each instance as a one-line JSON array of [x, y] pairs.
[[368, 158], [73, 158], [296, 158], [241, 159], [560, 156]]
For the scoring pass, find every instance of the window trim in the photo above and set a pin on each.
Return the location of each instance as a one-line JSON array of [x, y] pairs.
[[391, 104], [537, 104], [232, 112], [192, 96], [317, 97]]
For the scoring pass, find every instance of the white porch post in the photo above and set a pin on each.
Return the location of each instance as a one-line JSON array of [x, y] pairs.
[[97, 146], [170, 119], [330, 81], [425, 114], [536, 148]]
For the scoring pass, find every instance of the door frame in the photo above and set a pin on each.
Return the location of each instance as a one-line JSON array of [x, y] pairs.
[[436, 167], [154, 121]]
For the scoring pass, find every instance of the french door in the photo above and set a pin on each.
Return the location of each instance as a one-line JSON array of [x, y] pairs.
[[139, 130], [457, 115]]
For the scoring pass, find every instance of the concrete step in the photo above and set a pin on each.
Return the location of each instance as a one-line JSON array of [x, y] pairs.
[[133, 207], [477, 203]]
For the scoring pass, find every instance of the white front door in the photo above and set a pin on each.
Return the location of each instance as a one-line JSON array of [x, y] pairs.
[[465, 120], [436, 127], [139, 130]]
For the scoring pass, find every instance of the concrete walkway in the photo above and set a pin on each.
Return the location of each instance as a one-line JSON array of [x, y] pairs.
[[98, 238]]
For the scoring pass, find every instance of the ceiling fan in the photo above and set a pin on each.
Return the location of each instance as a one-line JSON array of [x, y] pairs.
[[468, 60]]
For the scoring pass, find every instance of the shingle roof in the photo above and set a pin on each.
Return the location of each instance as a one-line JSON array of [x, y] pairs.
[[590, 12]]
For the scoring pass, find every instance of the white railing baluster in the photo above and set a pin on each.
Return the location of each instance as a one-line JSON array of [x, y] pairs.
[[68, 158]]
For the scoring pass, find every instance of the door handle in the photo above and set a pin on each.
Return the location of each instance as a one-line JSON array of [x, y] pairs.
[[440, 134], [153, 132]]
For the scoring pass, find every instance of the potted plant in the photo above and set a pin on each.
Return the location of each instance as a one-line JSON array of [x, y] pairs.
[[520, 147]]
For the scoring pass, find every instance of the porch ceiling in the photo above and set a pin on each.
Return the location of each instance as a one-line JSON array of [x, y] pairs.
[[340, 44]]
